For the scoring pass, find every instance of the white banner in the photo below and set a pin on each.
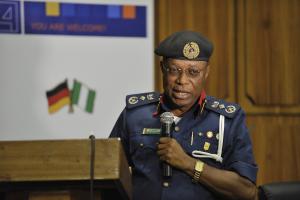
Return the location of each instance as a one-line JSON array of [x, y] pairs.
[[31, 64]]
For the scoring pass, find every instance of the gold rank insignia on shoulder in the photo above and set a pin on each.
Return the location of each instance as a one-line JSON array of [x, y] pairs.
[[230, 109], [133, 100], [191, 50], [215, 104], [142, 98], [221, 106], [136, 100], [150, 96], [151, 131]]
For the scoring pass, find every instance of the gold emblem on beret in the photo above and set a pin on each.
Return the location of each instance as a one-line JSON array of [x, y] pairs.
[[133, 100], [191, 50], [230, 109]]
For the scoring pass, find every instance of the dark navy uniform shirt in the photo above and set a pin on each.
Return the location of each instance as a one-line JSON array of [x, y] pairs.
[[138, 126]]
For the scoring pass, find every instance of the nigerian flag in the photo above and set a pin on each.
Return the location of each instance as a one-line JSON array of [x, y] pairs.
[[83, 96]]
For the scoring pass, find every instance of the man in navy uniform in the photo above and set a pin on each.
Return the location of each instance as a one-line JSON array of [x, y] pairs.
[[210, 151]]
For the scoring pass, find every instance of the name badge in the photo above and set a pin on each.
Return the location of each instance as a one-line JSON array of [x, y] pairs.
[[151, 131]]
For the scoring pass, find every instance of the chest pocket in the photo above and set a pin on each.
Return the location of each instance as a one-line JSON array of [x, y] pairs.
[[217, 147], [205, 141], [143, 150]]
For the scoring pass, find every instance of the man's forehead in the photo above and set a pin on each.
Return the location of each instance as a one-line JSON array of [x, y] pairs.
[[185, 63]]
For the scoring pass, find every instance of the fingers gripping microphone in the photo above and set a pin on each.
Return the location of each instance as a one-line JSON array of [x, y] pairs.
[[166, 119]]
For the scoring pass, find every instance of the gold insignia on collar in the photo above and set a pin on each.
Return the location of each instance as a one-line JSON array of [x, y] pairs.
[[230, 109], [133, 100], [191, 50]]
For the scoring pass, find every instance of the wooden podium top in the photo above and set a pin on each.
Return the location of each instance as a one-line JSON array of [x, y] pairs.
[[63, 160]]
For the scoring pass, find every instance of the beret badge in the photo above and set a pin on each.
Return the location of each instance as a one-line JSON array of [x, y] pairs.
[[191, 50]]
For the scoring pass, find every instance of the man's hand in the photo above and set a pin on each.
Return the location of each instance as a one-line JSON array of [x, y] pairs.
[[171, 152], [228, 183]]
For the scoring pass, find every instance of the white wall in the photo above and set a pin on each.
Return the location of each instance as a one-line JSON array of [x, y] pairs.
[[32, 64]]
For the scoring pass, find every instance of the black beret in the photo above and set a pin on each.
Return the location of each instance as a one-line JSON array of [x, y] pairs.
[[187, 45]]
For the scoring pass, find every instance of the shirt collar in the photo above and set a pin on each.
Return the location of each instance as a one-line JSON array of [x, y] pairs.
[[164, 106]]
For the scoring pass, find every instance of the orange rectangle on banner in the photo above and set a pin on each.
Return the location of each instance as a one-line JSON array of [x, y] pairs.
[[129, 12]]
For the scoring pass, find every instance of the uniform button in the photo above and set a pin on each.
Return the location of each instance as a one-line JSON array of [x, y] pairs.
[[177, 128], [141, 144], [165, 184]]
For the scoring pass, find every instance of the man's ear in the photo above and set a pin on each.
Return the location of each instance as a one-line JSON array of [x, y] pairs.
[[207, 71], [161, 66]]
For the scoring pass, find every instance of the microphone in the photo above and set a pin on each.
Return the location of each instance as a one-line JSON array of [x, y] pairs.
[[166, 119]]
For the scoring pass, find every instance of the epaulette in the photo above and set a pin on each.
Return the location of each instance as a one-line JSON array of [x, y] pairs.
[[136, 100], [220, 106]]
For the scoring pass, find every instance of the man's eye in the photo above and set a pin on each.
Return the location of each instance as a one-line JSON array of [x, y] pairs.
[[194, 72], [173, 70]]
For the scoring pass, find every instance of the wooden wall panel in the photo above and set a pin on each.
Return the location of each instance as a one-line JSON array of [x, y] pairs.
[[276, 147], [268, 55], [215, 20], [255, 64]]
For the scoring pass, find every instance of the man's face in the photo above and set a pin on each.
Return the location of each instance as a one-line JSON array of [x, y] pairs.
[[184, 80]]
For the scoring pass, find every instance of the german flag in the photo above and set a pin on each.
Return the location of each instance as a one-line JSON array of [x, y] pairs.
[[58, 97]]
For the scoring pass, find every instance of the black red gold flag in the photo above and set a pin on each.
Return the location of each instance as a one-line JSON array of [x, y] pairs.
[[58, 97]]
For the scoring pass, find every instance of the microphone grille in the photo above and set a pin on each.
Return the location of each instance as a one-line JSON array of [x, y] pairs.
[[167, 117]]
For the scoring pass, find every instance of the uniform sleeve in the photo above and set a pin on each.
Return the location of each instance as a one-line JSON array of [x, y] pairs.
[[239, 157], [119, 130]]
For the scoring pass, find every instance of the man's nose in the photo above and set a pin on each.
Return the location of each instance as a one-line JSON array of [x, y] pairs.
[[182, 78]]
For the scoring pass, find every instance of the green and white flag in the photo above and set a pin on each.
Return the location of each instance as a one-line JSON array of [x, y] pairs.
[[83, 96]]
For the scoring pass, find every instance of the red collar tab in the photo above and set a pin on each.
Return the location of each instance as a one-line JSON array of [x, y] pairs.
[[156, 113], [202, 97], [161, 99]]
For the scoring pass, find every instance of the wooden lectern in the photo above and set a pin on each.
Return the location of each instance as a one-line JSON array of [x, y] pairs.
[[64, 170]]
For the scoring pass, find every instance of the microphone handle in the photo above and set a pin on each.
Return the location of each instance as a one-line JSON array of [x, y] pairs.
[[167, 170], [166, 132]]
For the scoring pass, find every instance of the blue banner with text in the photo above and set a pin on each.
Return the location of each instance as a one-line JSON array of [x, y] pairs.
[[84, 19]]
